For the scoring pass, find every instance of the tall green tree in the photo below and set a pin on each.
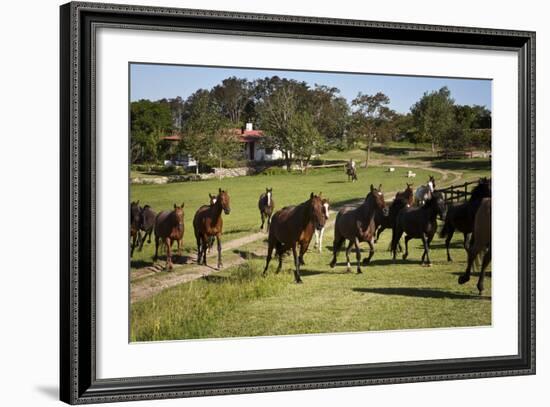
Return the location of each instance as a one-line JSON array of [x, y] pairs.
[[372, 120], [308, 139], [204, 128], [149, 122], [231, 97], [330, 112], [434, 116]]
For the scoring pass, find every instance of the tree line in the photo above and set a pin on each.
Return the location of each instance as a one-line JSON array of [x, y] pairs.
[[299, 120]]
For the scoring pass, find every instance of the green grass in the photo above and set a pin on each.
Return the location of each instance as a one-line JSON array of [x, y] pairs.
[[288, 189], [239, 302]]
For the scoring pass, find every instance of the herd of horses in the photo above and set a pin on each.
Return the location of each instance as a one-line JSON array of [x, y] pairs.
[[291, 229]]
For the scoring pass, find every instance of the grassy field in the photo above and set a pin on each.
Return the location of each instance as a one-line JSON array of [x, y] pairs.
[[239, 302]]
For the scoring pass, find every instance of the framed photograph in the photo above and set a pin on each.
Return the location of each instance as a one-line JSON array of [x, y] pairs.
[[256, 203]]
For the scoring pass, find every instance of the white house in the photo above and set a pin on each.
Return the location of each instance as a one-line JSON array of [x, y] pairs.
[[253, 149]]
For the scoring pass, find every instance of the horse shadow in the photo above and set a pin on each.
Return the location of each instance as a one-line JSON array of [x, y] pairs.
[[233, 231], [421, 293], [474, 273], [337, 182], [390, 262], [140, 264], [248, 255]]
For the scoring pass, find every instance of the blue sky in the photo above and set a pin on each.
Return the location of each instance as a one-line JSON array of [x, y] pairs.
[[151, 81]]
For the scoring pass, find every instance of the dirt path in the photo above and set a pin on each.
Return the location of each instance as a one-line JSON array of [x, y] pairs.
[[148, 281]]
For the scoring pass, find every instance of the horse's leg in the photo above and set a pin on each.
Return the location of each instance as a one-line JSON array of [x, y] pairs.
[[168, 243], [406, 254], [296, 265], [156, 256], [472, 254], [358, 255], [279, 253], [336, 245], [270, 247], [268, 221], [204, 242], [371, 253], [321, 239], [219, 241], [379, 232], [486, 260], [348, 249], [198, 249], [262, 215], [179, 246], [448, 242], [426, 242], [316, 239], [142, 241]]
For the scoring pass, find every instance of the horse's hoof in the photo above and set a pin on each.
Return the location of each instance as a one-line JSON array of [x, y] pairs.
[[463, 279], [220, 266], [428, 264], [299, 281], [480, 289], [332, 264], [365, 262], [359, 271], [405, 256]]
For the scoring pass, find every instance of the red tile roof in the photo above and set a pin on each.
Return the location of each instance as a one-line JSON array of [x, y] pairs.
[[245, 136]]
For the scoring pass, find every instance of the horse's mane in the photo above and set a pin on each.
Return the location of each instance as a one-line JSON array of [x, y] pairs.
[[481, 190]]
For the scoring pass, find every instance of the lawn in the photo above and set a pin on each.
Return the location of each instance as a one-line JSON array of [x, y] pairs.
[[239, 302]]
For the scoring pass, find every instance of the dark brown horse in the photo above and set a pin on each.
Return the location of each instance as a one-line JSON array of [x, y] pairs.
[[294, 225], [385, 221], [208, 223], [266, 206], [461, 217], [418, 223], [169, 227], [135, 220], [357, 225], [481, 241], [147, 224]]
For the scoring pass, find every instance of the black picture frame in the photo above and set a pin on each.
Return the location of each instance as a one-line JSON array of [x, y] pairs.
[[78, 382]]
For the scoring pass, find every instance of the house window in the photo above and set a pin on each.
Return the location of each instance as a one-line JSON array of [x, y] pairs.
[[269, 151]]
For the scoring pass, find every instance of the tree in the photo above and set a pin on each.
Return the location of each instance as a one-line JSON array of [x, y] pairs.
[[434, 116], [232, 97], [372, 120], [201, 127], [223, 145], [308, 140], [329, 112], [149, 121], [277, 111]]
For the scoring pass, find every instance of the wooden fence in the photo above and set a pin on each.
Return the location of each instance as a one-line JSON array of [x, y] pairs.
[[458, 193]]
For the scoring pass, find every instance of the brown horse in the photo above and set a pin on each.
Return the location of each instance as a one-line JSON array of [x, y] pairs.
[[385, 221], [147, 224], [169, 227], [135, 221], [357, 225], [418, 223], [266, 206], [294, 225], [407, 195], [481, 241], [208, 223], [461, 216]]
